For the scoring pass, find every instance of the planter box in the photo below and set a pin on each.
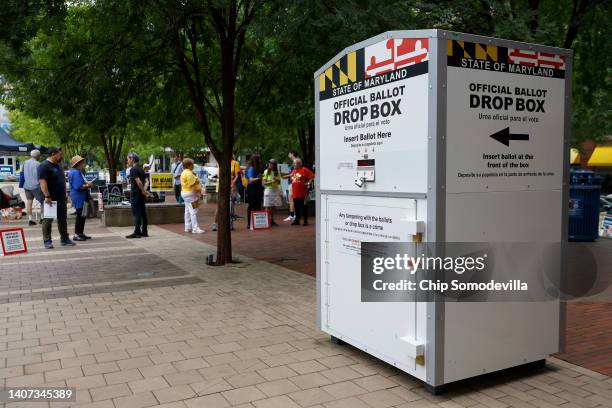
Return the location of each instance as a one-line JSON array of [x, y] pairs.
[[121, 215]]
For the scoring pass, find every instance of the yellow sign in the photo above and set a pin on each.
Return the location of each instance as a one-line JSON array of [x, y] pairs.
[[162, 181]]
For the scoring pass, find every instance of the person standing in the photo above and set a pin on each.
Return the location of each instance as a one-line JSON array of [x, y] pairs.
[[300, 177], [177, 171], [138, 197], [79, 193], [292, 156], [191, 193], [31, 185], [272, 192], [53, 187], [254, 190]]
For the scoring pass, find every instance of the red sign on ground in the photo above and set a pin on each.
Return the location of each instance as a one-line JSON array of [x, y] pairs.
[[13, 241], [260, 220]]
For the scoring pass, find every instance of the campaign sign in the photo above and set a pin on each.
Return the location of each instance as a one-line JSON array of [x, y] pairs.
[[6, 170], [91, 175], [162, 181], [111, 194], [260, 220], [13, 241], [607, 227]]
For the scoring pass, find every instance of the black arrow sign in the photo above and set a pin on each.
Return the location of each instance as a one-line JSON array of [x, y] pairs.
[[504, 136]]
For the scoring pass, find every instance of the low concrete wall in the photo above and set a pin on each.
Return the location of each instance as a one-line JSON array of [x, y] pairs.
[[121, 215], [312, 206]]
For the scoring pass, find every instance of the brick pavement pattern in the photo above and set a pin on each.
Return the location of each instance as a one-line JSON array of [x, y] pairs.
[[589, 324], [244, 336], [292, 247]]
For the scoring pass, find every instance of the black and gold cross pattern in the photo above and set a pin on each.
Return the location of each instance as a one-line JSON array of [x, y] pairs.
[[458, 50], [347, 70]]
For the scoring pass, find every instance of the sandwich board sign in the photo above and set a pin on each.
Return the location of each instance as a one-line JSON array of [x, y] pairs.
[[13, 241], [260, 220]]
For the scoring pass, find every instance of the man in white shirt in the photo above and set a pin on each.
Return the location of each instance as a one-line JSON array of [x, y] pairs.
[[31, 184], [177, 170]]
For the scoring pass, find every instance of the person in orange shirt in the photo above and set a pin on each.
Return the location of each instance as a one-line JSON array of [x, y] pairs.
[[300, 178]]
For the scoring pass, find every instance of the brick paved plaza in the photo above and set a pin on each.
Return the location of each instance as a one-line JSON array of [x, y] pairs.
[[145, 322]]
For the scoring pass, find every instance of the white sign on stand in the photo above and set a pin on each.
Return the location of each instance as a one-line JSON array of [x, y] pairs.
[[13, 241], [260, 220]]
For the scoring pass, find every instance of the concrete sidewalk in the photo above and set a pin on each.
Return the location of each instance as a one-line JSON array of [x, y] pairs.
[[189, 335]]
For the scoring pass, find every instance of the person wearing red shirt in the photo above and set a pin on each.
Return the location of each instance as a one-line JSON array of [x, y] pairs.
[[300, 177]]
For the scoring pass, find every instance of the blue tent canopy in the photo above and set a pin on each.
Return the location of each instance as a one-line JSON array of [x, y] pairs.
[[10, 146]]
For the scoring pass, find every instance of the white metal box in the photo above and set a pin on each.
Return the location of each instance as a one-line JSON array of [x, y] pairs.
[[456, 137]]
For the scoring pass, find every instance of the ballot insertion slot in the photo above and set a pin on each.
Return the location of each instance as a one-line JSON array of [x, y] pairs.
[[365, 171]]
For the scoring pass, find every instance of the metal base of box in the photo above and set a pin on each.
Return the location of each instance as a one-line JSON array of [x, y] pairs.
[[441, 389], [337, 341], [583, 238]]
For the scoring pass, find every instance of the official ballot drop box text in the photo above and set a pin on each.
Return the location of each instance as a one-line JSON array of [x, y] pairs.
[[455, 138]]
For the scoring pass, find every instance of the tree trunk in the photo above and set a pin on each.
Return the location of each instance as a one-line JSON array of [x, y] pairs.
[[534, 6], [579, 10], [310, 145], [306, 137], [109, 154], [228, 80], [112, 169], [224, 235]]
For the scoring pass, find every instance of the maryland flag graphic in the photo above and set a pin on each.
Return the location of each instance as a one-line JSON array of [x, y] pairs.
[[467, 54], [382, 62], [464, 49], [346, 70], [536, 58]]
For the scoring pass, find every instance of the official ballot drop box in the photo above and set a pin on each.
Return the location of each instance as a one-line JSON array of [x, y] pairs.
[[444, 137]]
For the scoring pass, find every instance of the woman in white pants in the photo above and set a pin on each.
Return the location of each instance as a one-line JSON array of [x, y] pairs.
[[191, 192]]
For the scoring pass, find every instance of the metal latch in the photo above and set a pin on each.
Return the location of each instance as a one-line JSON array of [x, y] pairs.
[[414, 350], [415, 229]]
